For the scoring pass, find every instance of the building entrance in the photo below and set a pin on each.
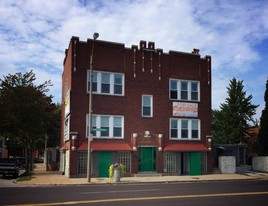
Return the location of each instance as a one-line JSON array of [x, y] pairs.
[[190, 163], [105, 159], [147, 159]]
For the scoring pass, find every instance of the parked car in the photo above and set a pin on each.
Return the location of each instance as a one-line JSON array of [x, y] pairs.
[[9, 166], [21, 162]]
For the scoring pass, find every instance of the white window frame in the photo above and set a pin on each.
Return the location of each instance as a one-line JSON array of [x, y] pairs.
[[111, 82], [151, 105], [97, 134], [179, 129], [189, 90]]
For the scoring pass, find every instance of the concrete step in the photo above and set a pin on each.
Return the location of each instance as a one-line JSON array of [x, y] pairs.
[[148, 174]]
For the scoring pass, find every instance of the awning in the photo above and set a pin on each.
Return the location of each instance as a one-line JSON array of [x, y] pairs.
[[106, 146], [185, 147]]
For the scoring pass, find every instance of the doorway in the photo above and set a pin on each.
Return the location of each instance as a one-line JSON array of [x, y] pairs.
[[147, 159], [190, 163], [195, 163], [105, 159]]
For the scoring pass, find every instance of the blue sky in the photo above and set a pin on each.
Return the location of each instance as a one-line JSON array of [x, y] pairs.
[[35, 33]]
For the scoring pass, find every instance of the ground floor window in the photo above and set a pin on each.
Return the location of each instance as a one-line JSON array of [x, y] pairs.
[[82, 163], [204, 163], [170, 162], [125, 159]]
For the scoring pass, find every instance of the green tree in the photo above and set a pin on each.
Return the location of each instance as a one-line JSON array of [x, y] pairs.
[[26, 112], [263, 134], [234, 116], [54, 125]]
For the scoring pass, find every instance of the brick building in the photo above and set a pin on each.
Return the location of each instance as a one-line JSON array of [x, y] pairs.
[[151, 110]]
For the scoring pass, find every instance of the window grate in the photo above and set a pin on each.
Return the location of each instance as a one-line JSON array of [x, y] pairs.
[[204, 163], [170, 162], [82, 163], [125, 159]]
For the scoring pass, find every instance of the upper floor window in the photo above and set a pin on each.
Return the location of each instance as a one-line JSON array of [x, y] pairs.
[[106, 126], [184, 90], [106, 83], [185, 129], [147, 105]]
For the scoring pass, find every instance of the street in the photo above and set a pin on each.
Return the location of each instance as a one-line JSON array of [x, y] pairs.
[[247, 192]]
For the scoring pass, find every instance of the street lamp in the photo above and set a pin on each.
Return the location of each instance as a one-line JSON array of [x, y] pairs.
[[95, 36]]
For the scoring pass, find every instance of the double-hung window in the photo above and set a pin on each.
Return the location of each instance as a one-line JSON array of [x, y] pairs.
[[117, 126], [95, 82], [173, 129], [147, 105], [106, 126], [173, 88], [106, 83], [195, 129], [194, 91], [185, 129], [184, 90], [118, 84]]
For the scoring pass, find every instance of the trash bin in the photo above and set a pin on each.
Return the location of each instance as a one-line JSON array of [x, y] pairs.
[[116, 176]]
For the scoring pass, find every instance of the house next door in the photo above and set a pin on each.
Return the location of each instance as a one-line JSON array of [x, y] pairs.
[[147, 159]]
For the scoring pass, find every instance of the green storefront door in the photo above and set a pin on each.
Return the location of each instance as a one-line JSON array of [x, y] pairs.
[[195, 163], [147, 159], [105, 159]]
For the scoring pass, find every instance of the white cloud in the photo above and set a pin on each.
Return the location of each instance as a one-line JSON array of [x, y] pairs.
[[35, 34]]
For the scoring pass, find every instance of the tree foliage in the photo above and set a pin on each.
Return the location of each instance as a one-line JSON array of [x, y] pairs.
[[27, 113], [234, 116], [263, 134]]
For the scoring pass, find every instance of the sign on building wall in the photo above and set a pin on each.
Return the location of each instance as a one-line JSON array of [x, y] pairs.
[[67, 103], [184, 109], [67, 129]]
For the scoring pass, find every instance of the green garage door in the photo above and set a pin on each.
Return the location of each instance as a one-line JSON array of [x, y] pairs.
[[195, 163], [105, 159]]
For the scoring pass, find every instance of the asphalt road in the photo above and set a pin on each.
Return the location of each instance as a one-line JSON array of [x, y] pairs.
[[218, 193]]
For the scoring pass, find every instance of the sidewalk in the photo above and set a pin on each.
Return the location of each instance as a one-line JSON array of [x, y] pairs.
[[42, 177]]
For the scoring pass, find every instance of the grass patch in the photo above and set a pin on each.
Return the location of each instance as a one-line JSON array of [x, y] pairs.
[[24, 177]]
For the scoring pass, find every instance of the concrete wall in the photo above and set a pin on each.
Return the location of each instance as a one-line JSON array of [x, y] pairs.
[[260, 164], [227, 164]]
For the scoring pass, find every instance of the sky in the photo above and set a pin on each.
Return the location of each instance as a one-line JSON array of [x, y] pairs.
[[35, 33]]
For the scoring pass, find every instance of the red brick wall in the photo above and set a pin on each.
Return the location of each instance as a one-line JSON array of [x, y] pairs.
[[115, 57]]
